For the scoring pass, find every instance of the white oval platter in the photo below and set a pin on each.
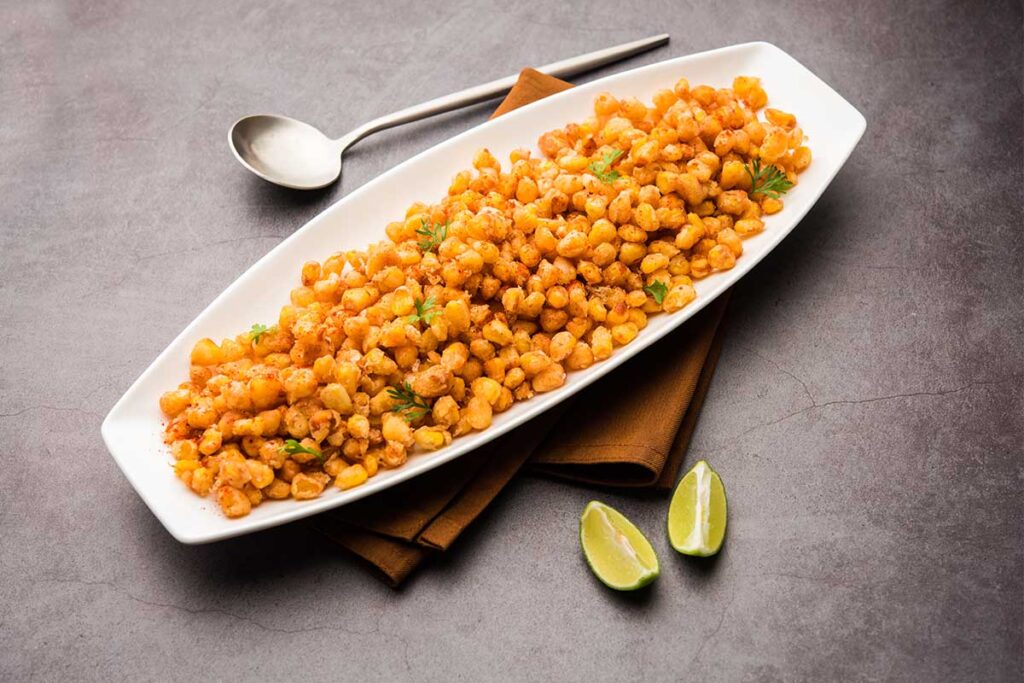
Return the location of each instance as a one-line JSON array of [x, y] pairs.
[[132, 430]]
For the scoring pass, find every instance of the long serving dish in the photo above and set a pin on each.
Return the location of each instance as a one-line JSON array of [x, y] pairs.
[[133, 429]]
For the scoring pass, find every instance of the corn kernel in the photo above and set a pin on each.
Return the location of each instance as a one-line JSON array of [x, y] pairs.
[[351, 476]]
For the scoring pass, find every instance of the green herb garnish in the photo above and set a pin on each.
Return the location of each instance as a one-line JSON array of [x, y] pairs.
[[425, 311], [432, 236], [771, 181], [258, 331], [603, 169], [657, 290], [291, 447], [411, 405]]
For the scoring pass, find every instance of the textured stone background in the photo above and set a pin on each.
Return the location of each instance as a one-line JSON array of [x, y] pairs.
[[866, 415]]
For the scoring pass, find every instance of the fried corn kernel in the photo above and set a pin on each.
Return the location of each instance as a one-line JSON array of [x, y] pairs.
[[478, 413], [206, 352], [371, 463], [233, 503], [174, 402], [549, 379], [233, 473], [522, 273], [307, 486], [278, 489], [260, 474], [721, 257], [487, 388], [210, 442], [202, 481], [351, 476], [185, 450], [431, 438], [186, 466]]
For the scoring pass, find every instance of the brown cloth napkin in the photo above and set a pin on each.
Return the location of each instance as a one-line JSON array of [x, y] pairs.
[[630, 429]]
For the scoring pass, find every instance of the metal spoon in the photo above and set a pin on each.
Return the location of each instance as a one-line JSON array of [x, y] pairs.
[[297, 155]]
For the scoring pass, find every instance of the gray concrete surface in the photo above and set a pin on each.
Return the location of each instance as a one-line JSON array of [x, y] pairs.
[[866, 416]]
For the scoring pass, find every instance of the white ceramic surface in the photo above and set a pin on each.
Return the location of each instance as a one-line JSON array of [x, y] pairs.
[[132, 429]]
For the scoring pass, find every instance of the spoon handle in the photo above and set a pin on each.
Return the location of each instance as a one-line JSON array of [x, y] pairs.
[[481, 93]]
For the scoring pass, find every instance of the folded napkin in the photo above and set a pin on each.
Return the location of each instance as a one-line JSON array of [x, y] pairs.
[[629, 429]]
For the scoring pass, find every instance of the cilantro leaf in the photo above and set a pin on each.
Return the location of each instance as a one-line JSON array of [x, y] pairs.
[[657, 290], [603, 170]]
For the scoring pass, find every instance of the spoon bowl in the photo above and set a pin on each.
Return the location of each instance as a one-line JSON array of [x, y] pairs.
[[286, 151]]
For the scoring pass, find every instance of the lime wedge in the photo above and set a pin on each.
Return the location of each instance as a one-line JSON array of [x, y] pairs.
[[618, 554], [696, 515]]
